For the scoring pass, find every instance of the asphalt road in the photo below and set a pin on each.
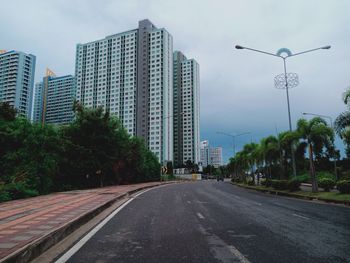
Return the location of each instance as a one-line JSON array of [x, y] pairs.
[[219, 222]]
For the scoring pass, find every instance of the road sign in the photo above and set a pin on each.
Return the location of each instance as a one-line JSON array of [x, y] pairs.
[[164, 170]]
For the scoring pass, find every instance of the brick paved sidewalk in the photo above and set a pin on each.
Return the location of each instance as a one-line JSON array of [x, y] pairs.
[[25, 221]]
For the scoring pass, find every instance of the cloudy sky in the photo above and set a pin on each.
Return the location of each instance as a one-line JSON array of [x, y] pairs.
[[237, 88]]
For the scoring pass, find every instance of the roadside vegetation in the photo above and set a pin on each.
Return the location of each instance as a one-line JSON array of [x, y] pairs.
[[269, 163], [94, 151]]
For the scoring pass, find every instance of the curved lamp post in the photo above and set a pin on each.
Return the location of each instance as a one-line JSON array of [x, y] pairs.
[[290, 79]]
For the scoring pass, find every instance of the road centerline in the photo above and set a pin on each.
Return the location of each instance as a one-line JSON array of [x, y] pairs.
[[200, 216], [304, 217]]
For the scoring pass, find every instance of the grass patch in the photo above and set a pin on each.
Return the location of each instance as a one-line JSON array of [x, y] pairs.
[[327, 196]]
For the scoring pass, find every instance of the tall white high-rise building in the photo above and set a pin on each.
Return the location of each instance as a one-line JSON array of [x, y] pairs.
[[130, 75], [186, 110], [17, 71]]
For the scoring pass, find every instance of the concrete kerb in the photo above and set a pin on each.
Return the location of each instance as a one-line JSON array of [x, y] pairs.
[[312, 198], [37, 247]]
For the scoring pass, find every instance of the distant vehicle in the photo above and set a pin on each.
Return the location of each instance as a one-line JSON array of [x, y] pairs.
[[219, 178]]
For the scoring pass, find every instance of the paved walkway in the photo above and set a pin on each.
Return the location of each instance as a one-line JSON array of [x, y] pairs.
[[27, 220]]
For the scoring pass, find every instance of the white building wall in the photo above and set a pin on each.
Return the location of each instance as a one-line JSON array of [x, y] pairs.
[[161, 89], [106, 76], [190, 109]]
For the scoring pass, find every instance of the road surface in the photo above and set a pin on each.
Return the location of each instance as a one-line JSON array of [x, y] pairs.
[[217, 222]]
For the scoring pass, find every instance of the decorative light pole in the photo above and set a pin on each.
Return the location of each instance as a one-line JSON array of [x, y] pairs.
[[285, 80], [331, 122]]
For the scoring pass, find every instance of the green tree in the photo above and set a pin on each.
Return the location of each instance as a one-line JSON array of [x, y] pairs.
[[94, 142], [270, 151], [287, 140], [342, 123], [317, 136], [7, 112], [29, 154]]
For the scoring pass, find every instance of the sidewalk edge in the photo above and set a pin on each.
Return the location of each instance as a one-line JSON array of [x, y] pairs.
[[37, 247]]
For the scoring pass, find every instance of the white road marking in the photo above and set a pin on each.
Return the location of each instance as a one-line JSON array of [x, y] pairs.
[[304, 217], [238, 254], [200, 215], [243, 236], [66, 256]]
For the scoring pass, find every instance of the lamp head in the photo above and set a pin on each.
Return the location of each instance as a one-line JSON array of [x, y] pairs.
[[239, 47], [326, 47]]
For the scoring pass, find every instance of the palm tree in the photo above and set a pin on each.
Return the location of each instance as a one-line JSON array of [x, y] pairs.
[[317, 135], [287, 140], [270, 151], [342, 122]]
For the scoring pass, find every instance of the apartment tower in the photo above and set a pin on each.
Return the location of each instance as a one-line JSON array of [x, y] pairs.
[[130, 75], [17, 71], [186, 110], [53, 99]]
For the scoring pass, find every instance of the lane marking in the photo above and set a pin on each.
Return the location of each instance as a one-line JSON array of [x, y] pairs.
[[66, 256], [238, 254], [243, 236], [200, 215], [304, 217], [236, 196]]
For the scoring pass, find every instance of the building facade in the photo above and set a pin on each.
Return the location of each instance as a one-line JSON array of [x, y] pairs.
[[186, 110], [216, 156], [54, 98], [210, 155], [204, 153], [130, 75], [17, 71]]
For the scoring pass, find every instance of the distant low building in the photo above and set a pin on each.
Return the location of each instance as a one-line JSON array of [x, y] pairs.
[[210, 155], [216, 156]]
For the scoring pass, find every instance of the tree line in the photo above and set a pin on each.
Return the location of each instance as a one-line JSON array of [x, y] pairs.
[[313, 145], [94, 150]]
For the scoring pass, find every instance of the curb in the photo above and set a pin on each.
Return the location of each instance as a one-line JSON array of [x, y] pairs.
[[312, 198], [37, 247]]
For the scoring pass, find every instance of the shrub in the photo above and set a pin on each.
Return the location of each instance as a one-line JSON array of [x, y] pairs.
[[250, 182], [304, 178], [294, 184], [20, 190], [323, 174], [4, 195], [344, 186], [236, 180], [279, 184], [326, 183], [265, 182]]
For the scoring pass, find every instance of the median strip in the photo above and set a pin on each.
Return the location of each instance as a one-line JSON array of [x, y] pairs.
[[327, 197]]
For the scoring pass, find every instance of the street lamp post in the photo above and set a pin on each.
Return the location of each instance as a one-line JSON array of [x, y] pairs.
[[287, 77], [233, 142], [331, 122]]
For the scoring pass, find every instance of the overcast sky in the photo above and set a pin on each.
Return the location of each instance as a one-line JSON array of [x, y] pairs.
[[237, 88]]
